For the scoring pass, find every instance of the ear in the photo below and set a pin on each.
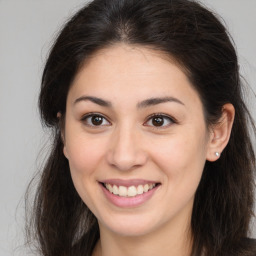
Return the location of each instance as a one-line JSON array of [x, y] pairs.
[[220, 133], [59, 116], [65, 151]]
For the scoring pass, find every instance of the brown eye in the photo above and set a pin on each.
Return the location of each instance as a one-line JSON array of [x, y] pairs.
[[160, 121], [95, 120], [157, 121]]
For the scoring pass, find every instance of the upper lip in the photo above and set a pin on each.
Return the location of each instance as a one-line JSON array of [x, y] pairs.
[[128, 183]]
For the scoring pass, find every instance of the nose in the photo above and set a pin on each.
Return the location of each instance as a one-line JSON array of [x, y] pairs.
[[126, 150]]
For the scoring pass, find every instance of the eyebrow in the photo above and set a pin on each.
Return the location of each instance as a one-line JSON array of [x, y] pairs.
[[99, 101], [142, 104], [155, 101]]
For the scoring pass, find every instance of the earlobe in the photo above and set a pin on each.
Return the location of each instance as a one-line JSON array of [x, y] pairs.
[[64, 145], [61, 127], [220, 133], [65, 151]]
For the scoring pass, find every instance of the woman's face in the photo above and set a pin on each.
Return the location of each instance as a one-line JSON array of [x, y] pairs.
[[136, 140]]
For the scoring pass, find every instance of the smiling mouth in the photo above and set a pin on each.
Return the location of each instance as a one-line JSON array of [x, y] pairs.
[[131, 191]]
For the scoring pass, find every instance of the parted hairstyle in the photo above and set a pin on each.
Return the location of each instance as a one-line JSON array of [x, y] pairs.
[[197, 40]]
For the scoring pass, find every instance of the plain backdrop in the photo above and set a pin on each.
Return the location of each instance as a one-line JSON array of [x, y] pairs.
[[27, 28]]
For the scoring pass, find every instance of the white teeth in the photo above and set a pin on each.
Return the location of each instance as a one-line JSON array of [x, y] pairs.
[[122, 191], [132, 191], [140, 190], [115, 190], [146, 187], [129, 191], [110, 188]]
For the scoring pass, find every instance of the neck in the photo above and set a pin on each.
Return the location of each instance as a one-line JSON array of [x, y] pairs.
[[171, 240]]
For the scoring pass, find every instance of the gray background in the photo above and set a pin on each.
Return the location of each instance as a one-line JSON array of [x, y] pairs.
[[27, 28]]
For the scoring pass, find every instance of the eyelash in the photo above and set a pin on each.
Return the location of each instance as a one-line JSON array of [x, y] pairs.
[[162, 116], [165, 117], [90, 115]]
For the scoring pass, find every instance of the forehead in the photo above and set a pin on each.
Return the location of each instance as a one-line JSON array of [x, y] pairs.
[[124, 70], [124, 58]]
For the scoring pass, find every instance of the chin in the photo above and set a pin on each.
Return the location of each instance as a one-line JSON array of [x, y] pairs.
[[130, 226]]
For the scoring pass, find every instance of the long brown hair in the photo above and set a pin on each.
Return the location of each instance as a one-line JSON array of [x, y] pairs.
[[192, 35]]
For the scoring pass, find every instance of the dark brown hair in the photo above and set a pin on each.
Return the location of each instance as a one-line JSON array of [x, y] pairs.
[[198, 41]]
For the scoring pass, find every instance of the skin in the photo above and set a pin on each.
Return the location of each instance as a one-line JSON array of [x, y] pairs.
[[127, 145]]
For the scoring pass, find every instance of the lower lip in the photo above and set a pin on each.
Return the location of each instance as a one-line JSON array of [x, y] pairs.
[[128, 202]]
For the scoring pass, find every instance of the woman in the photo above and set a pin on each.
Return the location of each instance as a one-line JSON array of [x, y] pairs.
[[151, 151]]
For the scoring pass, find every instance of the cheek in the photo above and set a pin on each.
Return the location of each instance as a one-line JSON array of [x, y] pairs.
[[181, 158], [84, 155]]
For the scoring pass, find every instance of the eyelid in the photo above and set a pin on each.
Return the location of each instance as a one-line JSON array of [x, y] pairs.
[[172, 120], [91, 114]]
